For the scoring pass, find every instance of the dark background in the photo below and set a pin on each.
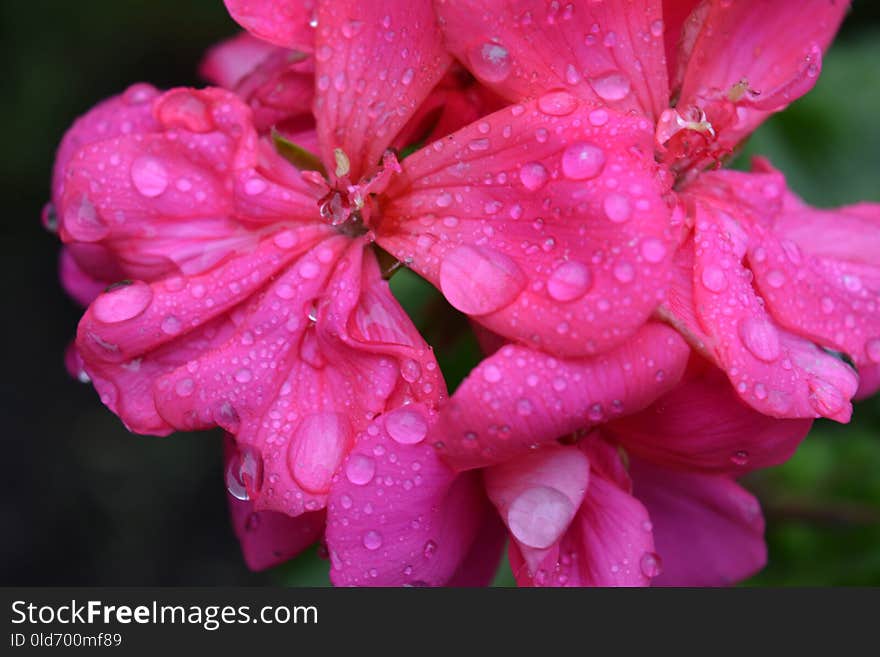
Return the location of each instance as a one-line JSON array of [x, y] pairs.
[[84, 502]]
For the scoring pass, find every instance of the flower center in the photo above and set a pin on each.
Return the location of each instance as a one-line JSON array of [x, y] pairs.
[[351, 207]]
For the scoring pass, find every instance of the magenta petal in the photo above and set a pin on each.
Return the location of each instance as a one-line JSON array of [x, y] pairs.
[[609, 543], [546, 222], [287, 23], [229, 61], [375, 64], [320, 351], [480, 565], [269, 538], [79, 284], [129, 112], [609, 53], [772, 50], [537, 496], [702, 424], [708, 530], [774, 371], [396, 515], [518, 397]]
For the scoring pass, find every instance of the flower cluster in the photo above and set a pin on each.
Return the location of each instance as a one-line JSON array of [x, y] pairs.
[[653, 326]]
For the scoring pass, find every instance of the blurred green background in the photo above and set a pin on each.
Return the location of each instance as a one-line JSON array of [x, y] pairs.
[[87, 503]]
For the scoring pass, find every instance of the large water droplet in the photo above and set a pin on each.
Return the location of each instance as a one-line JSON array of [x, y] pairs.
[[557, 103], [122, 302], [650, 564], [714, 279], [318, 446], [582, 161], [617, 208], [490, 61], [761, 338], [372, 540], [149, 176], [533, 175], [612, 86], [569, 281], [244, 473], [872, 348], [406, 426], [539, 516], [360, 469], [480, 280]]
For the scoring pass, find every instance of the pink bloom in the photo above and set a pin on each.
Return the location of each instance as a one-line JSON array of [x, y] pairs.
[[257, 303], [727, 66], [551, 435]]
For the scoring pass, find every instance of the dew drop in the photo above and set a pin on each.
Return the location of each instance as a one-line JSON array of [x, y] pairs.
[[122, 302], [490, 61], [557, 103], [612, 86], [617, 208], [569, 281], [360, 469], [149, 176], [714, 279], [406, 426], [539, 516], [582, 161], [761, 338], [480, 280], [533, 176], [372, 540], [650, 564]]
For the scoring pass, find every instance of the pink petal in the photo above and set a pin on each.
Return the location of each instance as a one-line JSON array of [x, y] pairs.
[[606, 53], [548, 229], [320, 351], [127, 113], [396, 515], [818, 270], [775, 47], [869, 382], [519, 398], [162, 201], [480, 564], [774, 371], [702, 424], [375, 63], [538, 495], [287, 23], [609, 543], [269, 538], [708, 530], [280, 91], [77, 283], [229, 61], [675, 14]]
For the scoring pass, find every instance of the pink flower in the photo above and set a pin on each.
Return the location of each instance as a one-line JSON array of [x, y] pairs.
[[617, 469], [254, 300], [699, 76]]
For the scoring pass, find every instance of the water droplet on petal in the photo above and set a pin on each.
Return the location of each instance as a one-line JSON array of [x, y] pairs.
[[650, 564], [539, 516], [617, 208], [372, 540], [775, 278], [557, 103], [490, 61], [360, 469], [533, 175], [761, 338], [171, 325], [569, 281], [480, 280], [582, 161], [149, 176], [316, 449], [612, 86], [653, 250], [122, 302], [714, 279], [406, 426]]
